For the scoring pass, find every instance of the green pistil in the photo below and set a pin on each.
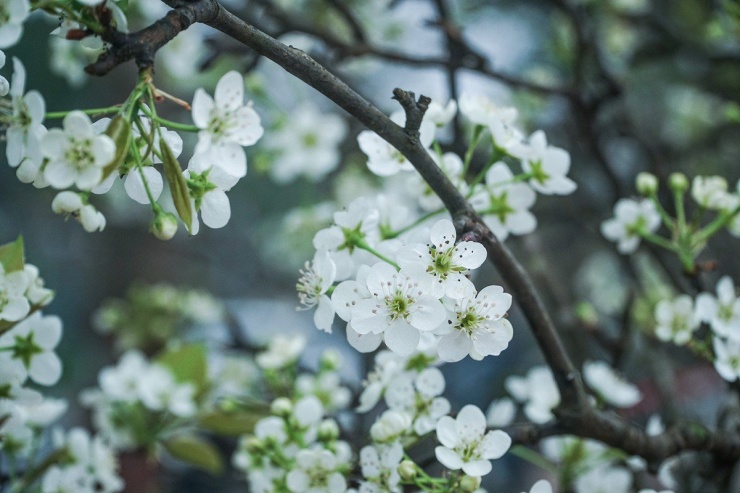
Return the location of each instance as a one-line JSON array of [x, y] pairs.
[[398, 305], [500, 207], [310, 140], [468, 321], [79, 154], [352, 238], [199, 185], [5, 391], [538, 173], [25, 349]]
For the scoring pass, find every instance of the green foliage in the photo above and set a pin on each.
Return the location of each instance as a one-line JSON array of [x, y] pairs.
[[178, 185], [187, 363], [196, 451], [11, 255]]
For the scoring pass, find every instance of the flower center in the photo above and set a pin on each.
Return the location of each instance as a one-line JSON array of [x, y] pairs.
[[79, 154], [25, 349]]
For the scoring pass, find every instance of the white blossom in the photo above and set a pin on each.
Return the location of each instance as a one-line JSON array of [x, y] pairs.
[[419, 396], [316, 472], [711, 192], [604, 479], [722, 312], [26, 129], [76, 155], [391, 425], [727, 358], [537, 391], [383, 158], [226, 125], [315, 281], [500, 413], [33, 341], [282, 351], [466, 445], [632, 218], [548, 165], [71, 204], [159, 391], [676, 320], [379, 465], [440, 114], [14, 13], [480, 110], [208, 186], [541, 486], [610, 387], [14, 305]]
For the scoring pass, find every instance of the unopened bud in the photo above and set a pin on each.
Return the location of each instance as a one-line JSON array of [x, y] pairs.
[[328, 430], [678, 182], [281, 407], [164, 226], [646, 183], [253, 444], [470, 483], [407, 470]]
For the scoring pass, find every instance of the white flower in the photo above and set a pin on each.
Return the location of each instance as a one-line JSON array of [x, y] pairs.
[[26, 128], [538, 391], [282, 351], [4, 85], [208, 186], [676, 320], [315, 281], [14, 13], [482, 111], [500, 413], [727, 358], [452, 166], [71, 204], [466, 445], [711, 192], [475, 325], [14, 305], [36, 293], [226, 125], [383, 158], [604, 479], [388, 366], [159, 391], [327, 386], [632, 218], [419, 397], [76, 155], [399, 306], [391, 425], [441, 115], [547, 165], [612, 388], [541, 486], [380, 467], [33, 341], [358, 222], [316, 472], [444, 261], [307, 144], [122, 381], [505, 204], [722, 312]]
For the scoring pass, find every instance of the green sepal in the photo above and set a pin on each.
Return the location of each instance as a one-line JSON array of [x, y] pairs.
[[11, 256], [178, 185], [119, 130], [196, 451]]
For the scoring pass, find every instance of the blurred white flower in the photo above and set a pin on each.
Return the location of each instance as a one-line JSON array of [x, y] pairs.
[[676, 319], [611, 388], [283, 350], [632, 218], [722, 312]]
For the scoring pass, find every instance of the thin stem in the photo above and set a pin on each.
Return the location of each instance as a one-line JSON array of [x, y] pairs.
[[364, 245], [395, 234], [53, 115]]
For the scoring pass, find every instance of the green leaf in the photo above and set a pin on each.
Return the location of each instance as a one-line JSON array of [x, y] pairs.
[[119, 129], [187, 363], [178, 185], [196, 451], [232, 423], [11, 255]]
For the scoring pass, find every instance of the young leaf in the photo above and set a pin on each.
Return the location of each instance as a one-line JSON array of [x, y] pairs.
[[119, 129], [11, 255], [178, 185], [197, 451], [234, 423], [187, 363]]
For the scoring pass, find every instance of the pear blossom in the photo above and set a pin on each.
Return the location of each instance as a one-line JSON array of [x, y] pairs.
[[721, 312], [419, 396], [391, 425], [466, 445], [444, 261], [480, 110], [504, 204], [208, 185], [315, 281], [632, 219], [282, 351], [537, 391], [226, 124], [14, 305], [380, 468], [547, 165], [32, 342], [711, 192], [357, 223], [388, 366], [76, 155], [26, 128], [399, 306], [676, 320], [610, 387], [727, 358], [327, 387], [604, 479], [307, 144], [541, 486], [37, 293], [71, 204], [159, 391], [14, 13], [451, 165], [440, 114], [500, 413], [383, 158], [475, 325], [316, 472]]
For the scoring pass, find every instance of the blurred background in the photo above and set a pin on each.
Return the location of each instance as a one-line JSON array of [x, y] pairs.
[[624, 85]]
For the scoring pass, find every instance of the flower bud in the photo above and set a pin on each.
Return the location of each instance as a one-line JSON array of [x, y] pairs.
[[407, 470], [253, 444], [164, 226], [281, 407], [328, 430], [646, 183], [66, 203], [470, 483], [678, 182]]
